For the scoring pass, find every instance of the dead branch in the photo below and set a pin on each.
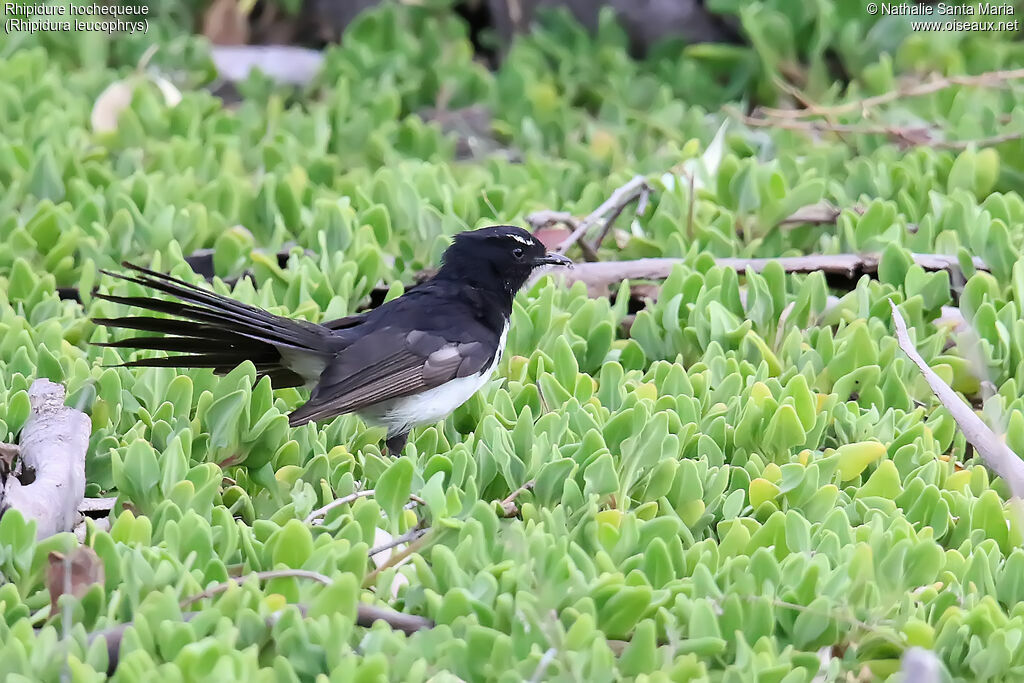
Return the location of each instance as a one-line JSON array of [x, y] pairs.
[[825, 213], [397, 558], [599, 276], [822, 213], [410, 535], [345, 500], [988, 79], [545, 219], [366, 616], [53, 445], [508, 505], [635, 190], [908, 136], [996, 455], [216, 589]]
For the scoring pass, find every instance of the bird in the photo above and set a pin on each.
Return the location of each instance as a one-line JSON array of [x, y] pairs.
[[407, 363]]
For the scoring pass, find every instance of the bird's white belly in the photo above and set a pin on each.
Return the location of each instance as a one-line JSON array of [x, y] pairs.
[[400, 415]]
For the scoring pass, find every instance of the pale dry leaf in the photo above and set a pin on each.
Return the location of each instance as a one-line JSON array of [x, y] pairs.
[[381, 538], [108, 106], [73, 573], [172, 96], [703, 169], [118, 96]]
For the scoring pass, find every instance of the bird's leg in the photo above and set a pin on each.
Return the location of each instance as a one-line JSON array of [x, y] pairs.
[[396, 444]]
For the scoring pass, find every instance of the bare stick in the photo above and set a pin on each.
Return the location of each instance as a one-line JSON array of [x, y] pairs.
[[996, 455], [988, 79], [53, 443], [908, 136], [546, 218], [338, 502], [352, 497], [396, 559], [633, 190], [598, 276], [259, 576], [410, 535], [366, 616], [641, 206], [508, 505], [822, 213]]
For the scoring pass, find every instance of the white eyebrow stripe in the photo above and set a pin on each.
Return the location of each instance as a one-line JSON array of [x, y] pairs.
[[522, 240]]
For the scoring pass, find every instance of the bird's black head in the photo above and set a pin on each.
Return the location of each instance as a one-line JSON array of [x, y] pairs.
[[500, 258]]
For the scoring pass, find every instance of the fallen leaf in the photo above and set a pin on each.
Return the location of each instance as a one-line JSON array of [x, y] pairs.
[[225, 23], [703, 168], [552, 237], [108, 106], [172, 96], [118, 96], [73, 573]]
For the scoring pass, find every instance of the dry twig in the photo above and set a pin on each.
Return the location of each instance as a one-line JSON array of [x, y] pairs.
[[410, 535], [366, 616], [988, 79], [635, 190], [345, 500], [216, 589], [909, 136], [508, 504], [396, 559], [996, 455]]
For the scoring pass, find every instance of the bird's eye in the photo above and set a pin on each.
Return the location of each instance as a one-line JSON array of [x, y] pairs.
[[517, 252]]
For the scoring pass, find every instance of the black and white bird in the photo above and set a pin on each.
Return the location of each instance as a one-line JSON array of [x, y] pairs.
[[410, 362]]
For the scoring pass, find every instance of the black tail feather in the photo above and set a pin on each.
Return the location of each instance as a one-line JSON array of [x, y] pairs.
[[211, 330]]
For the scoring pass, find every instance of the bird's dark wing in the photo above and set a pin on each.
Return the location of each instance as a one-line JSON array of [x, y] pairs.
[[345, 323], [388, 363]]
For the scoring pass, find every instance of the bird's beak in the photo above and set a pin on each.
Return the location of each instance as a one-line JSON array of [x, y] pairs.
[[553, 259]]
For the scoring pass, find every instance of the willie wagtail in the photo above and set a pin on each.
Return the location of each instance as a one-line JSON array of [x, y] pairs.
[[410, 362]]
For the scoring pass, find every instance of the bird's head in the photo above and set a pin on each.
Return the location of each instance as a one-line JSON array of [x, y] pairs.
[[501, 257]]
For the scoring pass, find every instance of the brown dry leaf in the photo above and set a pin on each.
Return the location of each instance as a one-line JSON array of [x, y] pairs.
[[552, 237], [73, 573], [225, 23]]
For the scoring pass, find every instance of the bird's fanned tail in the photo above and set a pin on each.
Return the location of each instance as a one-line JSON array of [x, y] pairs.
[[214, 331]]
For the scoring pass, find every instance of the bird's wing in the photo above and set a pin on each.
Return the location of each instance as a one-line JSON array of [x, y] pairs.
[[346, 322], [388, 363]]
